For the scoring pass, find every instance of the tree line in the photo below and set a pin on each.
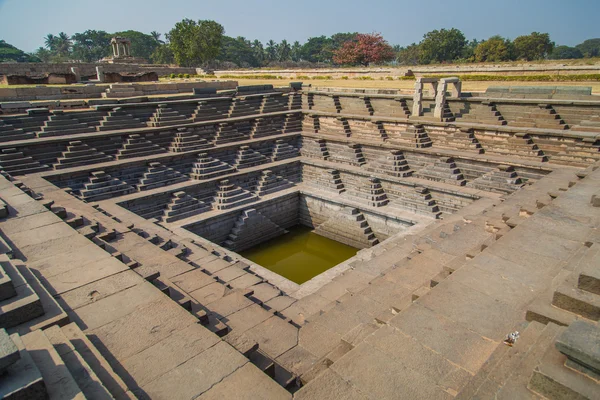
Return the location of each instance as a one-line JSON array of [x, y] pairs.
[[204, 43]]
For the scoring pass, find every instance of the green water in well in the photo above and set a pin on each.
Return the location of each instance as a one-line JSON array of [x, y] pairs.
[[300, 254]]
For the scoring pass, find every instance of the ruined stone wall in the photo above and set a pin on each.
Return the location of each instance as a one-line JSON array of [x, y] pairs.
[[314, 211], [89, 69], [282, 211]]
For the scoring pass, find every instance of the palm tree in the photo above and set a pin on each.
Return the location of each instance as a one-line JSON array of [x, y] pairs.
[[271, 50], [283, 51], [63, 44], [50, 41], [157, 36], [296, 51], [258, 52]]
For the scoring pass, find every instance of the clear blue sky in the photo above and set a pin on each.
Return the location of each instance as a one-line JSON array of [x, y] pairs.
[[24, 23]]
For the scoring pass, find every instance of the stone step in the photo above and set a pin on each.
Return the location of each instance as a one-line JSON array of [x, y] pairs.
[[22, 307], [552, 380], [52, 312], [89, 383], [59, 382], [22, 379], [501, 364]]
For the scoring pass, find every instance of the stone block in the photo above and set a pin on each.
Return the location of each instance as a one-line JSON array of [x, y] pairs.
[[579, 342], [9, 353]]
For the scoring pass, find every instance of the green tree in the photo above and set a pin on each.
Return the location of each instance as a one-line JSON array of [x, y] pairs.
[[43, 54], [9, 53], [409, 55], [284, 51], [163, 55], [259, 53], [196, 43], [590, 47], [317, 49], [445, 45], [535, 46], [337, 40], [91, 46], [271, 51], [238, 51], [565, 53], [495, 49], [142, 44], [296, 51]]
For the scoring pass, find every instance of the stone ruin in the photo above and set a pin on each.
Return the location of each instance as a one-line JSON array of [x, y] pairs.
[[477, 217]]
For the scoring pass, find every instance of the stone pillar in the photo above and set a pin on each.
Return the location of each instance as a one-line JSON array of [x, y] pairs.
[[440, 99], [457, 89], [100, 73], [114, 48], [75, 71], [418, 98]]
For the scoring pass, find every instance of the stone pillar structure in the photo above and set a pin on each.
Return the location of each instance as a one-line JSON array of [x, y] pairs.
[[418, 98], [440, 99], [100, 73], [75, 71]]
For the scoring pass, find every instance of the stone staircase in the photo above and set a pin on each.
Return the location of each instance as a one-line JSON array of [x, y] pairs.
[[269, 183], [283, 150], [518, 144], [350, 227], [230, 196], [328, 179], [293, 123], [16, 163], [116, 91], [186, 140], [371, 194], [119, 118], [60, 123], [393, 164], [137, 146], [79, 153], [483, 113], [503, 179], [166, 116], [101, 186], [414, 136], [248, 157], [158, 175], [346, 154], [267, 126], [443, 170], [228, 132], [183, 206], [212, 109], [311, 123], [314, 148], [246, 105], [250, 229], [367, 130], [58, 363], [9, 133], [417, 199], [274, 103], [396, 108], [206, 167], [462, 139], [334, 126]]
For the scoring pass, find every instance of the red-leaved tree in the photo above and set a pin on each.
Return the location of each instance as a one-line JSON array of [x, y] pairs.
[[364, 49]]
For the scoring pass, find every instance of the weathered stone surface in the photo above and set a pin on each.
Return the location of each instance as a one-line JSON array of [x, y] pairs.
[[248, 383], [579, 342]]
